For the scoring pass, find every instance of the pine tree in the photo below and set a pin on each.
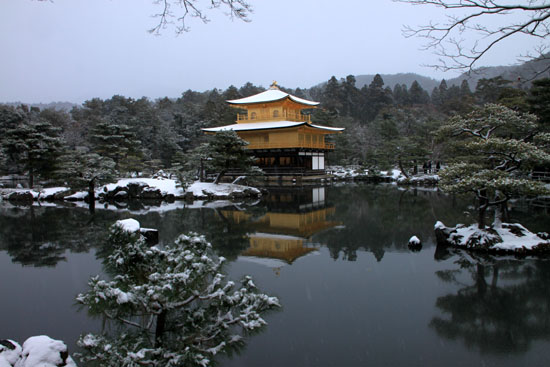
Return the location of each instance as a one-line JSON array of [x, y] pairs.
[[85, 170], [495, 150], [490, 90], [118, 143], [375, 98], [417, 94], [189, 312], [538, 100], [30, 143], [227, 151], [465, 89], [332, 96]]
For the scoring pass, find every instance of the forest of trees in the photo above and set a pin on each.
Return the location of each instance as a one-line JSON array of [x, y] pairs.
[[385, 127]]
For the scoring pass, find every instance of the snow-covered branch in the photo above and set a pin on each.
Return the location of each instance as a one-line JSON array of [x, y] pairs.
[[197, 312]]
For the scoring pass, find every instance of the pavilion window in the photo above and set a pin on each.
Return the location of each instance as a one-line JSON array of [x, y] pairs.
[[253, 116], [276, 113]]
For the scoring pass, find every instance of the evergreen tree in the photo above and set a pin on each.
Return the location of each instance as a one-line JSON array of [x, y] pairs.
[[539, 101], [333, 96], [495, 150], [351, 97], [417, 94], [118, 143], [401, 94], [375, 98], [490, 90], [465, 90], [189, 311], [84, 170], [227, 151], [30, 143], [249, 89]]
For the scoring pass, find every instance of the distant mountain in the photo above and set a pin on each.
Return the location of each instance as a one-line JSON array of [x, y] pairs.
[[62, 106], [390, 80], [522, 73]]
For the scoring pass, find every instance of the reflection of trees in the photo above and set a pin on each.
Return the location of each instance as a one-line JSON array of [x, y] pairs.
[[378, 218], [501, 307], [170, 306], [40, 236]]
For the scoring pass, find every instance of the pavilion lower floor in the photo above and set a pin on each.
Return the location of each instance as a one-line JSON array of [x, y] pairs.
[[291, 161]]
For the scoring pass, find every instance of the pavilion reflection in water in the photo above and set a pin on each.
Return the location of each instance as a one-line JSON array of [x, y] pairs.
[[285, 232]]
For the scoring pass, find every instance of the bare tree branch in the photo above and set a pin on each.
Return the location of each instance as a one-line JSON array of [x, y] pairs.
[[177, 12], [469, 20]]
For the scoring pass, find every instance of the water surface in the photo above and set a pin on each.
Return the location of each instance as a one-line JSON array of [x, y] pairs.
[[353, 294]]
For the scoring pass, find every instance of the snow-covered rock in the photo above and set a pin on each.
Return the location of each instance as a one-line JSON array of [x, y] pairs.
[[43, 351], [128, 225], [414, 243], [208, 190], [421, 179], [142, 188], [506, 238], [10, 352]]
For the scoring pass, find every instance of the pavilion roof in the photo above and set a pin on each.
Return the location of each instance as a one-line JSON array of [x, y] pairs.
[[271, 95], [270, 125]]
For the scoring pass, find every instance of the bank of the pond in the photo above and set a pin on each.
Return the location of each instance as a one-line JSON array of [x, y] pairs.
[[137, 188]]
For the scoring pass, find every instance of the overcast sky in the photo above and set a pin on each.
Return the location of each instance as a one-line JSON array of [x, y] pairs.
[[74, 50]]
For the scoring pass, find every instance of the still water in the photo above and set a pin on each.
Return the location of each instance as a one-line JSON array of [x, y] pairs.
[[352, 292]]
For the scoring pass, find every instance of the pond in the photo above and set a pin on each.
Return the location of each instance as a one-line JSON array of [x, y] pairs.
[[352, 292]]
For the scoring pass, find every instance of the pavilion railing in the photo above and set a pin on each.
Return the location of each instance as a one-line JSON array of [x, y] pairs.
[[267, 145], [297, 117]]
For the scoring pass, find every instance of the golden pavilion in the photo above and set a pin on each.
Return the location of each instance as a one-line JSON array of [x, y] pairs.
[[280, 136]]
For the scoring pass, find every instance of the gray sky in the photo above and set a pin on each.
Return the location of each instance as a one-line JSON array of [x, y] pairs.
[[73, 50]]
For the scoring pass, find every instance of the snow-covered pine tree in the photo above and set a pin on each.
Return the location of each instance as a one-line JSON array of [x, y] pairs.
[[85, 170], [117, 142], [173, 304], [30, 143], [227, 151], [495, 151]]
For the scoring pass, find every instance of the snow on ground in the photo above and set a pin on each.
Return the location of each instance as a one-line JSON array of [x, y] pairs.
[[395, 174], [128, 225], [37, 194], [420, 178], [347, 171], [206, 189], [512, 237], [50, 191]]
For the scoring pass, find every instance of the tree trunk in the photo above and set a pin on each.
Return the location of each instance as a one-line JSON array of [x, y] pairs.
[[31, 178], [401, 168], [481, 216], [91, 195], [483, 204], [159, 330], [219, 176]]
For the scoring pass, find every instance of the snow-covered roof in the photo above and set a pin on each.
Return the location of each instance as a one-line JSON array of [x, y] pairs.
[[268, 125], [271, 95]]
